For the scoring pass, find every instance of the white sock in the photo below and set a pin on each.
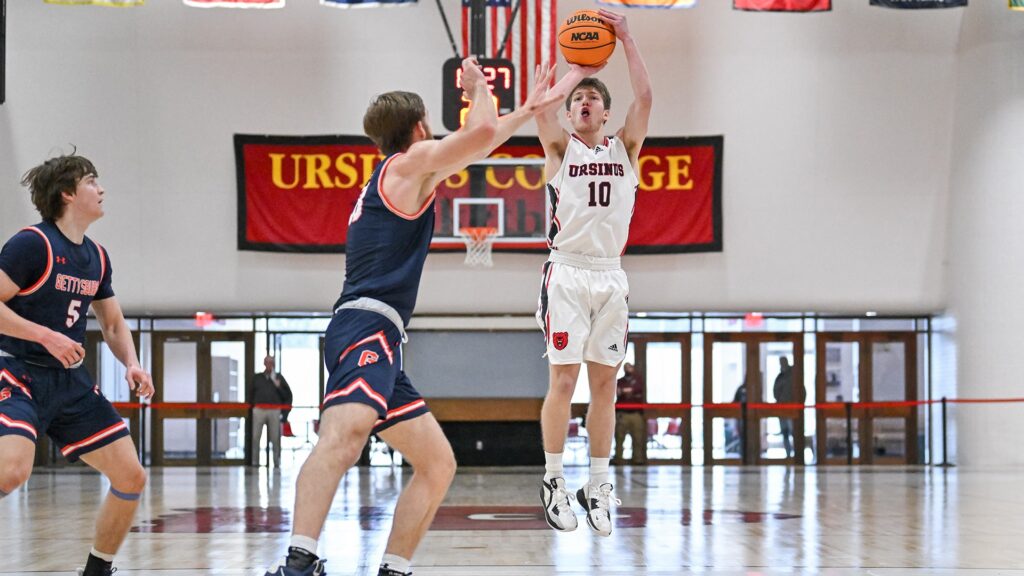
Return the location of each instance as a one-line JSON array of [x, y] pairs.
[[553, 466], [598, 471], [304, 542], [395, 563], [101, 555]]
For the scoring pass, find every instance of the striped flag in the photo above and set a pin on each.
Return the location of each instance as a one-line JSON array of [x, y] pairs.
[[1016, 4], [114, 3], [531, 39], [649, 3], [911, 4], [783, 5], [235, 3]]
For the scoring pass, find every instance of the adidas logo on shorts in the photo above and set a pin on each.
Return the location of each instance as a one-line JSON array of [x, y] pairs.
[[614, 347]]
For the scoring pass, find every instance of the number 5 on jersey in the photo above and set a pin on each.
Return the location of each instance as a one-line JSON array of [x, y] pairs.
[[73, 314]]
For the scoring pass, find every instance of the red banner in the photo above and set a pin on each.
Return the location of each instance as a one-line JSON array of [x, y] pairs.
[[783, 5], [295, 194]]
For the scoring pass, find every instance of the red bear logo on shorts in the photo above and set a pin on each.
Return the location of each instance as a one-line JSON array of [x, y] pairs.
[[5, 394], [560, 340]]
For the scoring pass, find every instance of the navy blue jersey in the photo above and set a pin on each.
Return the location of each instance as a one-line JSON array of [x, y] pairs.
[[386, 248], [58, 280]]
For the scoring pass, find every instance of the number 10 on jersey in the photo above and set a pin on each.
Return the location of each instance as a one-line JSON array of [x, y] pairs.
[[600, 193]]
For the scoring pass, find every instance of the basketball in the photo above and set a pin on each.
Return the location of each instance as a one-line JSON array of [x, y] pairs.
[[586, 39]]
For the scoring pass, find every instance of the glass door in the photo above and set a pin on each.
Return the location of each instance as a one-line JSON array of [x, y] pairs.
[[892, 435], [840, 385], [753, 391], [199, 415], [726, 389], [865, 380], [779, 415], [663, 362]]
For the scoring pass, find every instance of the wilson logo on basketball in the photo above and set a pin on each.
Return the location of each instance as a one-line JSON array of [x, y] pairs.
[[368, 357], [560, 340], [581, 17]]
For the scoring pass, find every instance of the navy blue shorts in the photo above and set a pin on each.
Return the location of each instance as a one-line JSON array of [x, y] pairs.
[[363, 353], [63, 404]]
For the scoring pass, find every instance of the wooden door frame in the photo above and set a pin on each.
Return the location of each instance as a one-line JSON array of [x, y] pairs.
[[907, 413], [640, 341], [203, 416], [865, 416], [751, 424], [685, 341]]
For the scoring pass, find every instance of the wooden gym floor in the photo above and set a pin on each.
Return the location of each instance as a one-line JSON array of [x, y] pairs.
[[713, 521]]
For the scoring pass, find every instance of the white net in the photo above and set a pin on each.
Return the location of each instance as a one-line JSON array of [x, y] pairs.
[[479, 241]]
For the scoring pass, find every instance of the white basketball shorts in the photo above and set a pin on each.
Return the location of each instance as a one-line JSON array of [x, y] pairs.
[[583, 310]]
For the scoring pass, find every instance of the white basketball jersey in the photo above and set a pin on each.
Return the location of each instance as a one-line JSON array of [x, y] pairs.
[[592, 197]]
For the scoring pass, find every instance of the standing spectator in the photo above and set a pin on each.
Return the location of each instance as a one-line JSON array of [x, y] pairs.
[[630, 389], [785, 393], [269, 387]]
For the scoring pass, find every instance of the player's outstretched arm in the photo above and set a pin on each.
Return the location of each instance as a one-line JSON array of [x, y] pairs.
[[118, 337], [64, 349], [537, 102], [638, 116], [553, 138], [435, 160]]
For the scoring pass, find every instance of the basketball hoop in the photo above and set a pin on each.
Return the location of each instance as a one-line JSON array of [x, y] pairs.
[[479, 241]]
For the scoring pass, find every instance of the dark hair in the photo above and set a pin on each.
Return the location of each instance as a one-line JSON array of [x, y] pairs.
[[390, 119], [48, 181], [596, 84]]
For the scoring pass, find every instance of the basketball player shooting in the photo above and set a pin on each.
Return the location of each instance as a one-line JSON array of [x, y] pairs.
[[583, 310], [389, 234]]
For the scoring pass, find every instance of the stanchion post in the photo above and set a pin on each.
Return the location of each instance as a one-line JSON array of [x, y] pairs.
[[743, 432], [142, 432], [945, 437], [849, 433]]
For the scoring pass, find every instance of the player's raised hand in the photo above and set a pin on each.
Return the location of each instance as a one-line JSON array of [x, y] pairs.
[[618, 22], [541, 98], [68, 352], [472, 76], [140, 381]]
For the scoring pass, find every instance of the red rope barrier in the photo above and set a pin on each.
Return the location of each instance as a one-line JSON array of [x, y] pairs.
[[622, 406], [641, 406]]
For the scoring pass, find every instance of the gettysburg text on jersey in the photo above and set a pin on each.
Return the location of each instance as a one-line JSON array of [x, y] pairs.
[[66, 283]]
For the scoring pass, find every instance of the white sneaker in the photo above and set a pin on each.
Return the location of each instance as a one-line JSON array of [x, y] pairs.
[[557, 510], [597, 503]]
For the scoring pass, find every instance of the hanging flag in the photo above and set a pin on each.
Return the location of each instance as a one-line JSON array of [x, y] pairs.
[[365, 3], [783, 5], [114, 3], [910, 4], [530, 41], [649, 3], [235, 3], [1016, 4]]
